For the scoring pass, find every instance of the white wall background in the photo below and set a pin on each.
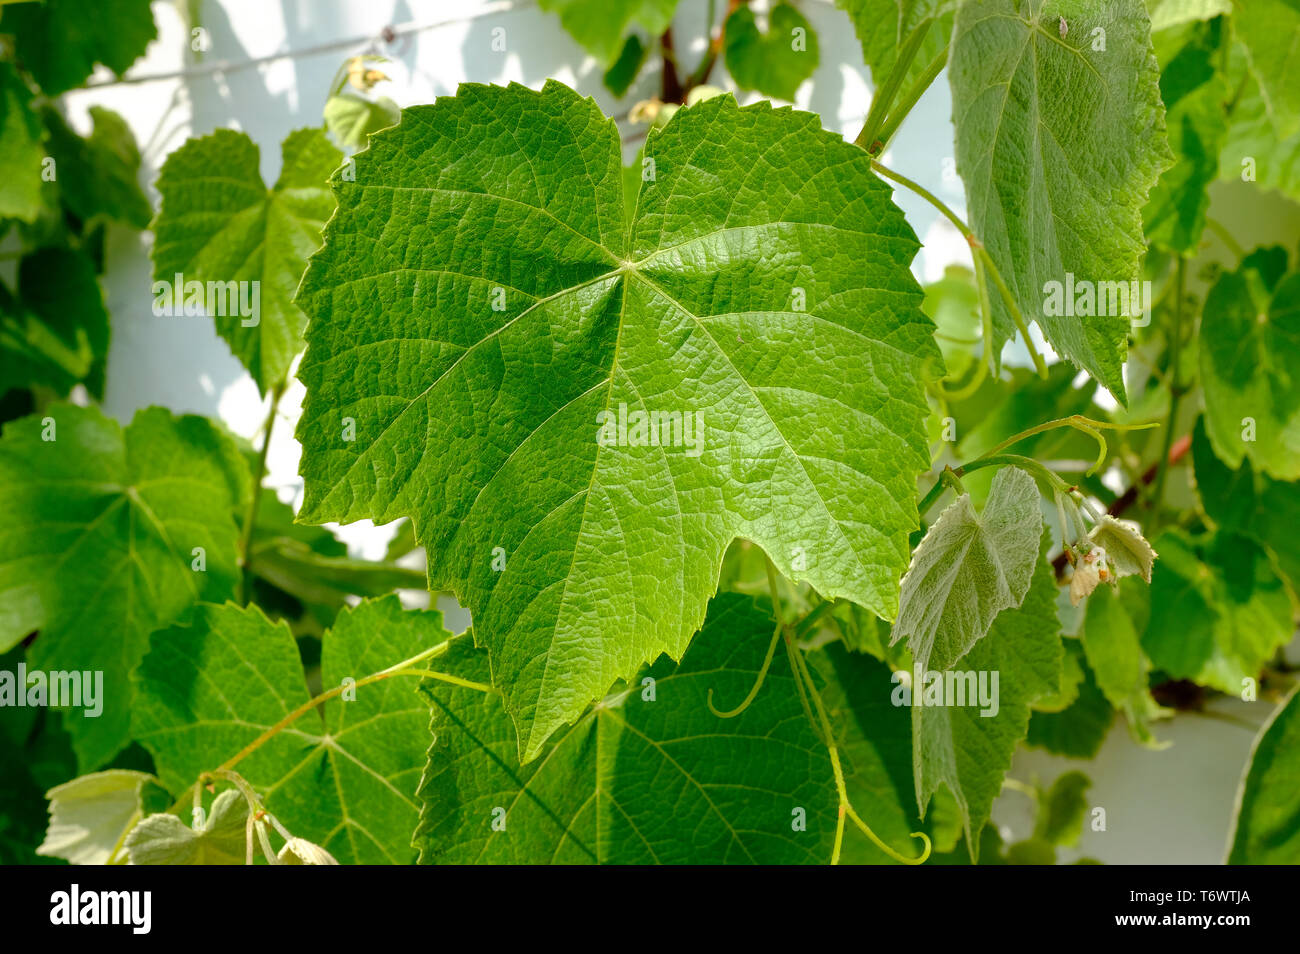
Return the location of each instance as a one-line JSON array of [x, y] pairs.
[[1170, 806]]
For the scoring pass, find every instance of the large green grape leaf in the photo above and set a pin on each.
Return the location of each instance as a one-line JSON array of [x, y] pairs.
[[1266, 827], [600, 26], [99, 535], [60, 41], [345, 779], [1270, 32], [1059, 142], [967, 569], [774, 61], [98, 174], [963, 746], [760, 297], [55, 331], [1193, 94], [650, 775], [883, 26], [1249, 355], [23, 156], [219, 223]]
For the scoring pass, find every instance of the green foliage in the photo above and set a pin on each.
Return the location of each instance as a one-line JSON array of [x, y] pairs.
[[689, 310], [226, 226], [774, 61], [1266, 829], [60, 41], [1058, 144]]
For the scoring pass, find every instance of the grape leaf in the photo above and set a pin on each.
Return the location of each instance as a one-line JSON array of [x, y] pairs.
[[98, 546], [1253, 151], [1270, 32], [623, 73], [1266, 826], [55, 331], [600, 26], [22, 159], [1228, 496], [89, 815], [650, 775], [219, 223], [164, 839], [1058, 143], [1113, 648], [98, 174], [351, 119], [346, 782], [1061, 809], [968, 569], [1078, 730], [774, 62], [1249, 351], [60, 41], [498, 432], [968, 751]]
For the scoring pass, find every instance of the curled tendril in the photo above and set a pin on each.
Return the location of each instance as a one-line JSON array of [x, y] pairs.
[[758, 683]]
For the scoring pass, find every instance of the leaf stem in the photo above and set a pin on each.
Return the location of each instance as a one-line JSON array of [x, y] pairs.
[[250, 520], [910, 98], [886, 91], [1085, 425], [1175, 388]]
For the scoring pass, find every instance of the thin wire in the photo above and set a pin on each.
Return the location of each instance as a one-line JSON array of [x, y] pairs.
[[388, 34]]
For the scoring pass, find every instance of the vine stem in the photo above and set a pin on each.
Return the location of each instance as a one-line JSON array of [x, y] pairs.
[[407, 667], [983, 263], [803, 678], [883, 99], [910, 98], [250, 520], [1175, 389]]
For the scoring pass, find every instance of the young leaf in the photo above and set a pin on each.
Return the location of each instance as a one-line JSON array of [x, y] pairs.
[[1249, 350], [1061, 809], [219, 223], [601, 25], [498, 348], [22, 159], [776, 62], [164, 839], [970, 751], [1266, 827], [107, 535], [351, 119], [1127, 552], [346, 783], [90, 815], [1059, 139], [60, 41], [649, 775], [1113, 648], [969, 568]]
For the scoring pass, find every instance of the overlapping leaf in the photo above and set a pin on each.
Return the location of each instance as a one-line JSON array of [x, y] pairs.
[[760, 297], [883, 26], [1270, 32], [1249, 355], [1266, 828], [105, 535], [650, 775], [1059, 139], [600, 26], [345, 780], [968, 568], [23, 156], [962, 747], [97, 175], [219, 223]]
